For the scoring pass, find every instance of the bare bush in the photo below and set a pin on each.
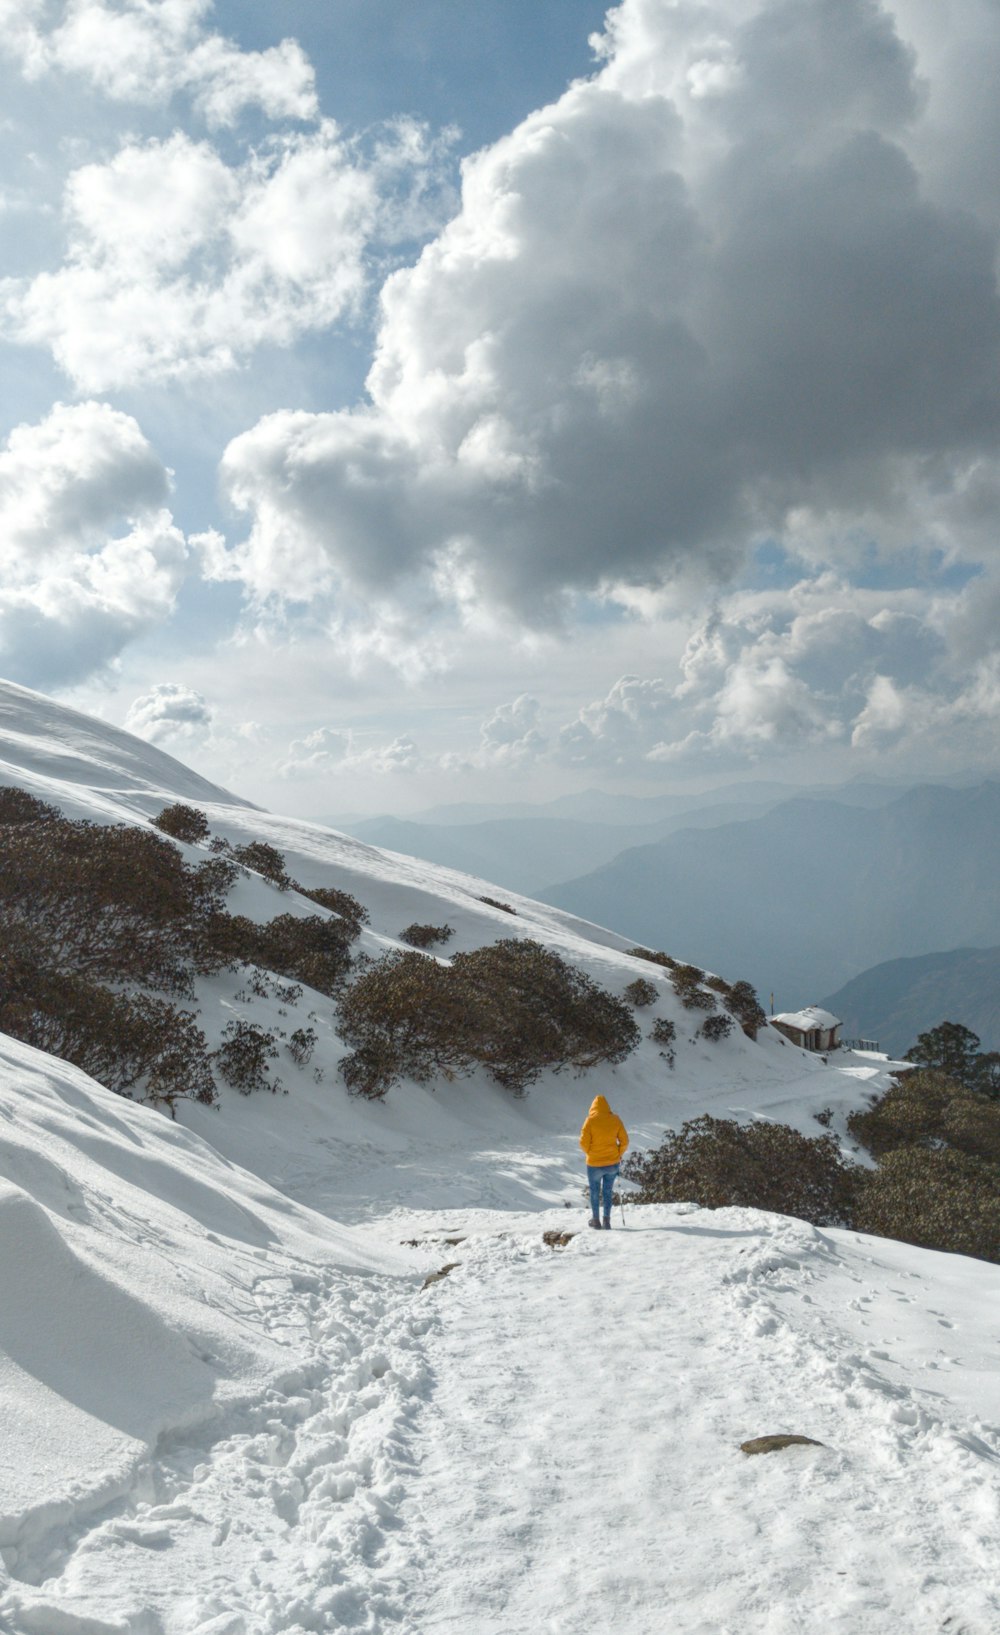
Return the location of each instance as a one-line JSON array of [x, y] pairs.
[[301, 1046], [243, 1056], [495, 902]]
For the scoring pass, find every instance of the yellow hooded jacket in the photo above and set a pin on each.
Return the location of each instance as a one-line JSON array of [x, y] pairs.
[[604, 1137]]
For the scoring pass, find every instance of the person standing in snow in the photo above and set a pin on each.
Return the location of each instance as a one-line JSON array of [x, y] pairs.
[[604, 1139]]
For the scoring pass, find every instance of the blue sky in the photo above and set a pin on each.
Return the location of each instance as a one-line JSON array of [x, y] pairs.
[[417, 401]]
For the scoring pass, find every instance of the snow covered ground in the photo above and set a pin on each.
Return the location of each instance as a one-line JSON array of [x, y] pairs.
[[230, 1406]]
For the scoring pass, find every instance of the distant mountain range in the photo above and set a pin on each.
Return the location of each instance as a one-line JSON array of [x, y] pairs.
[[896, 1001], [525, 848], [811, 893]]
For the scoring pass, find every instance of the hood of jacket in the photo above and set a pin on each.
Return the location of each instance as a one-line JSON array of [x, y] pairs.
[[599, 1105]]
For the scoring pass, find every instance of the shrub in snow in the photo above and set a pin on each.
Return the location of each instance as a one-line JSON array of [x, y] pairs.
[[641, 993], [654, 956], [716, 1162], [243, 1056], [17, 806], [112, 902], [716, 1027], [129, 1041], [264, 860], [426, 936], [301, 1046], [183, 823], [935, 1198], [686, 981], [664, 1033], [742, 1001], [515, 1008], [928, 1109], [309, 949], [340, 902], [495, 903]]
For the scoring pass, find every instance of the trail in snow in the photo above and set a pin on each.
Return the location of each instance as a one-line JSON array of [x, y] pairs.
[[581, 1455], [549, 1440], [286, 1519]]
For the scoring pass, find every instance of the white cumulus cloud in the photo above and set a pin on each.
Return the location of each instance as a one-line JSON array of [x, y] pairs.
[[719, 286], [89, 554], [148, 51], [180, 264], [169, 711]]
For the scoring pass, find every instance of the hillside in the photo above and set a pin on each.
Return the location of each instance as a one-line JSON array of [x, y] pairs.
[[230, 1407], [812, 893], [901, 998]]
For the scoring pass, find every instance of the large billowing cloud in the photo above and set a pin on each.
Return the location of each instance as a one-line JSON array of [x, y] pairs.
[[146, 51], [168, 711], [89, 553], [181, 264], [739, 284]]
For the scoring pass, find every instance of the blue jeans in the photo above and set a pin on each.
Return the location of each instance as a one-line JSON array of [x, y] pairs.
[[602, 1177]]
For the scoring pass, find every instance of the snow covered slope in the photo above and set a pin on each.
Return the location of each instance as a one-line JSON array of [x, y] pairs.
[[222, 1413], [424, 1144], [144, 1283]]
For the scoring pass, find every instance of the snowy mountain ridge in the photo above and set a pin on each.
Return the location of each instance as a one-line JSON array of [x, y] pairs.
[[228, 1412]]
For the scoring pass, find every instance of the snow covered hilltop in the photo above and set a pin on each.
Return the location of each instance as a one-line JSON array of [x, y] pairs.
[[230, 1406]]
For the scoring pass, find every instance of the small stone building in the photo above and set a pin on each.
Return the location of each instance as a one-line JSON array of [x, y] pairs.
[[811, 1028]]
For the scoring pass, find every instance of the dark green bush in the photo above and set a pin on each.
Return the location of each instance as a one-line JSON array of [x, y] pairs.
[[641, 993], [935, 1198], [664, 1033], [426, 936], [716, 1162], [183, 823], [926, 1108], [514, 1007], [686, 981], [742, 1001], [716, 1027]]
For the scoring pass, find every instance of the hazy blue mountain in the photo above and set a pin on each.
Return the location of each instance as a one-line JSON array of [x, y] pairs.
[[808, 895], [526, 847], [600, 806], [901, 998], [522, 854]]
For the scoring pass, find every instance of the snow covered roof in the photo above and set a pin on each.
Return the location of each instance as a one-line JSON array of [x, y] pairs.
[[811, 1017]]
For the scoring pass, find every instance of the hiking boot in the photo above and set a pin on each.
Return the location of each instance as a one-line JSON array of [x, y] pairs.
[[593, 1221], [607, 1223]]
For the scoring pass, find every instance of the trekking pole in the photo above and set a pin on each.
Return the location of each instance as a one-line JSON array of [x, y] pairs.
[[621, 1198]]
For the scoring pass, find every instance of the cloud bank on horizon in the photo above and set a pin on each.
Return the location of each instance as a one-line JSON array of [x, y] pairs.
[[708, 344]]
